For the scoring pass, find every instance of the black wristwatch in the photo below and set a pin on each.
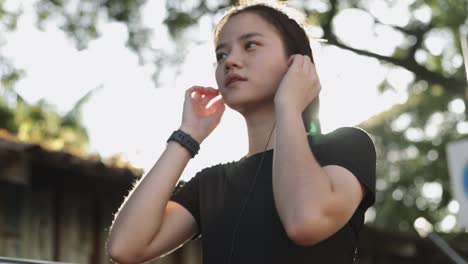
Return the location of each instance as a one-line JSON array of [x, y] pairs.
[[186, 141]]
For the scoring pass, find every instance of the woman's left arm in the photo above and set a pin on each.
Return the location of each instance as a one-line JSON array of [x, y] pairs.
[[313, 202]]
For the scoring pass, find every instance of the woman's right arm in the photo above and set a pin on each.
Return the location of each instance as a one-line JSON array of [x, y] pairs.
[[148, 225]]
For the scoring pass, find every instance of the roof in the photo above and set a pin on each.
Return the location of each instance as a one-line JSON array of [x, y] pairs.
[[25, 163]]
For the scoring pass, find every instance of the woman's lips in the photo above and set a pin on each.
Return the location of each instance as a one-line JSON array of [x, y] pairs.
[[232, 78], [234, 82]]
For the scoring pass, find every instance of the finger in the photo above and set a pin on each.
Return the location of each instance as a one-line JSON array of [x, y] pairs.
[[210, 93], [212, 90], [205, 99], [194, 88], [290, 60], [307, 64], [189, 93], [201, 91], [196, 95], [298, 61], [302, 61], [221, 108], [215, 104], [293, 59], [313, 70], [207, 94]]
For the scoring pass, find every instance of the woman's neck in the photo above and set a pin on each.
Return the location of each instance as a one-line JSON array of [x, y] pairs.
[[259, 128]]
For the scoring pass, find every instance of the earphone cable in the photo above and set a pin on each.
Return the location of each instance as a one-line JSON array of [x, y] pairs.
[[252, 186]]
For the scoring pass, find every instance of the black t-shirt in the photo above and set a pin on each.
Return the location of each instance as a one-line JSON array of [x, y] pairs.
[[215, 195]]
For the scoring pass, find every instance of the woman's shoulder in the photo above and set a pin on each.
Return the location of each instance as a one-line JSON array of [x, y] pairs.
[[349, 132], [349, 135], [345, 140], [216, 169]]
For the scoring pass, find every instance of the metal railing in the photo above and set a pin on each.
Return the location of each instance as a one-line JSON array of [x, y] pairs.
[[7, 260]]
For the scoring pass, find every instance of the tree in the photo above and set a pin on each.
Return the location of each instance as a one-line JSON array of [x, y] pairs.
[[40, 123]]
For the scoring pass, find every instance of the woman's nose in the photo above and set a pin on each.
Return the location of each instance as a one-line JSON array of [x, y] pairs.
[[233, 60]]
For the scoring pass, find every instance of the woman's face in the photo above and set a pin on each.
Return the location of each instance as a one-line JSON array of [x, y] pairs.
[[250, 47]]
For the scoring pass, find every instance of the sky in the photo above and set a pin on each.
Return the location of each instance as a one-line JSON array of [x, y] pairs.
[[130, 116]]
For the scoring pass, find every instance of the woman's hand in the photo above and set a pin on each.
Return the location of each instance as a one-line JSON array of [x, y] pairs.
[[300, 84], [198, 120]]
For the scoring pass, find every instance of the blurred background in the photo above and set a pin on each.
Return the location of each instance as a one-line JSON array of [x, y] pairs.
[[91, 90]]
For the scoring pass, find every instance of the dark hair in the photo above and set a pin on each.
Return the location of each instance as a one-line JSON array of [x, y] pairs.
[[294, 38]]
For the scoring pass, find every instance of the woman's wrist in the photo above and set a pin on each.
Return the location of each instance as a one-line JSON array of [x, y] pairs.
[[193, 133], [185, 140], [283, 109]]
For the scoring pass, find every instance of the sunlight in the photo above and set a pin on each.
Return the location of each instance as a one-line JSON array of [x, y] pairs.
[[421, 56], [423, 13], [397, 194], [348, 94], [361, 19], [399, 79], [432, 155], [414, 134], [423, 227], [448, 223], [370, 215], [453, 207], [462, 127], [391, 12], [434, 125], [457, 106], [432, 191], [401, 123], [436, 41], [411, 152], [11, 5], [318, 5]]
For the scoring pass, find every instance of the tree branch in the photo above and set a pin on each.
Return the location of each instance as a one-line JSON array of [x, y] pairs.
[[455, 85], [452, 84]]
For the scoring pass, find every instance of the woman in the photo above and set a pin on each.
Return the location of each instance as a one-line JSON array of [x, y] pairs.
[[296, 197]]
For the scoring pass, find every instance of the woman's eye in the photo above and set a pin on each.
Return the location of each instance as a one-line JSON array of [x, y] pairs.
[[249, 44], [220, 56]]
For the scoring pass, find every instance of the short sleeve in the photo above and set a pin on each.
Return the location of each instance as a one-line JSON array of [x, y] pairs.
[[187, 195], [355, 151]]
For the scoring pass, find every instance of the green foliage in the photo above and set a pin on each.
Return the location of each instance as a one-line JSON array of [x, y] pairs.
[[8, 19], [7, 118], [407, 162], [9, 74], [178, 20], [182, 16], [41, 124], [447, 13], [81, 19]]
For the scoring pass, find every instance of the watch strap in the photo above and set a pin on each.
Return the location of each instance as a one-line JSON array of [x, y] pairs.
[[186, 141]]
